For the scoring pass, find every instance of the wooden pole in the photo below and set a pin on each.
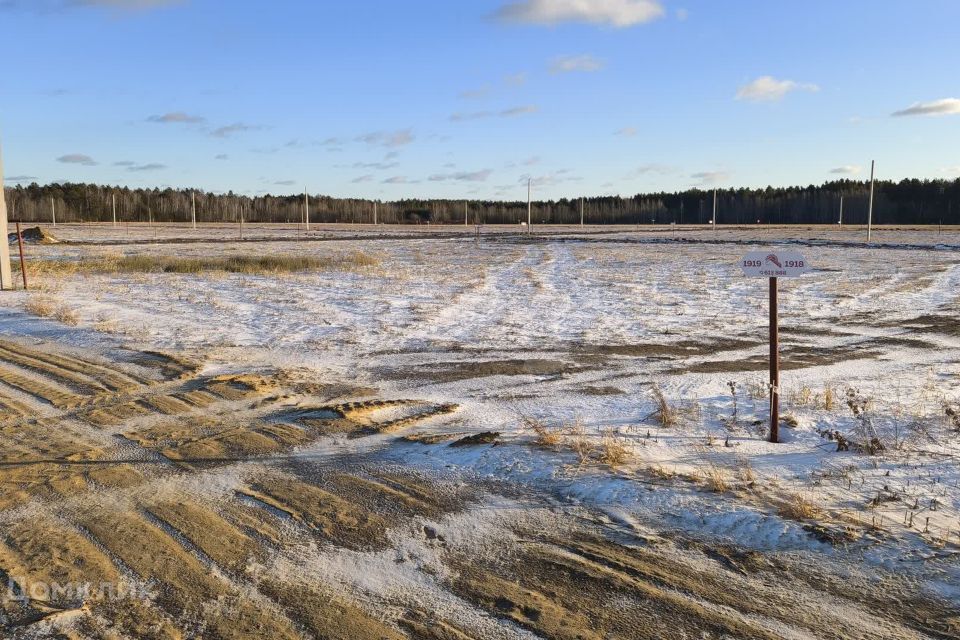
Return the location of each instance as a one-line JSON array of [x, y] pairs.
[[306, 208], [23, 266], [774, 365], [6, 277], [870, 208], [529, 205]]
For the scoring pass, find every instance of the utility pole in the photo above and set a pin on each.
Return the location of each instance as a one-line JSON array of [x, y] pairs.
[[581, 211], [841, 211], [714, 209], [529, 205], [193, 209], [870, 208], [306, 208], [374, 213], [53, 210], [466, 219], [6, 276], [114, 198]]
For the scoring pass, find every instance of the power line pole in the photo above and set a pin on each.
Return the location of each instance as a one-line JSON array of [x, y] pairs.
[[466, 218], [193, 209], [53, 210], [714, 210], [374, 213], [306, 208], [841, 211], [114, 198], [529, 205], [870, 208], [6, 276], [581, 211]]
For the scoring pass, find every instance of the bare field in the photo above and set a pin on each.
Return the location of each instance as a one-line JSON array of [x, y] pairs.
[[547, 436]]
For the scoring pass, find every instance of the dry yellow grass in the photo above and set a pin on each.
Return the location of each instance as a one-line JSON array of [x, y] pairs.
[[664, 414], [613, 451], [545, 436], [716, 479], [799, 507], [227, 264]]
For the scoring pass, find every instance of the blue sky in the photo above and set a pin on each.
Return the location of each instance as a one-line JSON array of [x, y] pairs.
[[469, 98]]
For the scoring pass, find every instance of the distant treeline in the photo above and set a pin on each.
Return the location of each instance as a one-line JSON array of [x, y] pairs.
[[904, 202]]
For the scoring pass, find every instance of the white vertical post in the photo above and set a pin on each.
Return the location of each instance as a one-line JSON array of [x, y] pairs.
[[870, 208], [714, 209], [193, 208], [841, 212], [374, 212], [306, 208], [114, 198], [466, 216], [529, 205], [53, 210], [581, 211], [6, 277]]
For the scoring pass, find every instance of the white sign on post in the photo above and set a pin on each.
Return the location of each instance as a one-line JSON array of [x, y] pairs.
[[774, 264]]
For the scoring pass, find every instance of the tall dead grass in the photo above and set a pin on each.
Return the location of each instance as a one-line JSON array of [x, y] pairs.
[[228, 264]]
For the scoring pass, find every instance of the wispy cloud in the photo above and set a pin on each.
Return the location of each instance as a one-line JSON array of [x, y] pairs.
[[516, 79], [77, 158], [236, 127], [711, 177], [614, 13], [20, 179], [506, 113], [847, 169], [151, 166], [475, 94], [947, 106], [399, 180], [285, 183], [59, 5], [221, 156], [388, 138], [769, 89], [550, 179], [365, 178], [585, 63], [462, 176], [652, 168], [176, 117], [626, 132]]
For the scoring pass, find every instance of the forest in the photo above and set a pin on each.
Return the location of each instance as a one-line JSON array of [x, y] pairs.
[[909, 201]]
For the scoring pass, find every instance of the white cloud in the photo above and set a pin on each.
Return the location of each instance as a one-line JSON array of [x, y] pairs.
[[951, 171], [285, 183], [176, 117], [651, 169], [152, 166], [947, 106], [626, 132], [388, 138], [569, 64], [397, 180], [364, 178], [20, 179], [462, 176], [77, 158], [236, 127], [614, 13], [506, 113], [475, 94], [710, 177], [847, 169], [769, 89]]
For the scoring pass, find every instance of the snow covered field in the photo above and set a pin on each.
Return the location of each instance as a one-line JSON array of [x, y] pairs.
[[564, 342]]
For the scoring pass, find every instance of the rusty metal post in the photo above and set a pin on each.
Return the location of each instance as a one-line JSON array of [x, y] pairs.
[[774, 365], [23, 266]]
